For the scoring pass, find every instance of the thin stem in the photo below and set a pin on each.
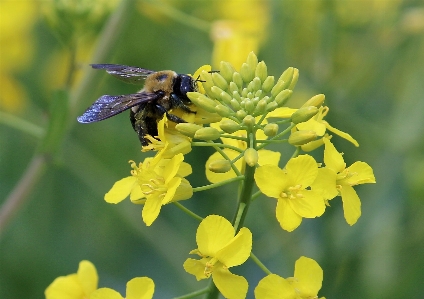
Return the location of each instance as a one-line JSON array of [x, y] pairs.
[[221, 183], [217, 145], [259, 263], [235, 137], [187, 211], [193, 294], [245, 198], [21, 125], [20, 193]]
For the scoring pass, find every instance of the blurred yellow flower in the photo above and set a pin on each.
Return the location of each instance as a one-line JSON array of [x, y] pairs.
[[137, 288]]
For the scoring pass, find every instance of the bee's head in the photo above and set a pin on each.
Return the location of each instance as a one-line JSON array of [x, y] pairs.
[[185, 83]]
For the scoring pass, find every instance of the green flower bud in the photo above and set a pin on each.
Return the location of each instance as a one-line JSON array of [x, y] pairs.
[[249, 106], [226, 70], [216, 92], [252, 61], [251, 156], [247, 73], [219, 81], [249, 120], [295, 78], [241, 114], [280, 86], [316, 101], [271, 106], [235, 104], [187, 129], [260, 107], [254, 85], [304, 114], [302, 137], [219, 166], [283, 97], [233, 87], [244, 92], [223, 110], [236, 96], [237, 79], [268, 84], [261, 71], [208, 82], [258, 93], [207, 133], [202, 101], [229, 126], [287, 76], [271, 130], [225, 97]]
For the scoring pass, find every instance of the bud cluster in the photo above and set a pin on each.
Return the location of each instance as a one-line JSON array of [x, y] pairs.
[[242, 96]]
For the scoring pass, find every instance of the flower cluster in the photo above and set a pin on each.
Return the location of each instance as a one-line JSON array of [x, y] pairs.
[[240, 113]]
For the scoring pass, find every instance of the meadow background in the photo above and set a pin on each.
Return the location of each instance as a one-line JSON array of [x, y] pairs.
[[367, 57]]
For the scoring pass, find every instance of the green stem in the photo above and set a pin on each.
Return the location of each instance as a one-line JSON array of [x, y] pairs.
[[259, 263], [222, 183], [217, 145], [21, 125], [245, 198], [187, 211], [193, 294]]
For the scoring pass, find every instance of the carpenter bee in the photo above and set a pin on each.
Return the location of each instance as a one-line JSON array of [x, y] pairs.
[[163, 91]]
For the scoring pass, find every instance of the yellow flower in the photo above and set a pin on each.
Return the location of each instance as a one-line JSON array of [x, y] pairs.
[[74, 286], [288, 186], [137, 288], [305, 284], [308, 276], [220, 249], [343, 181], [156, 182]]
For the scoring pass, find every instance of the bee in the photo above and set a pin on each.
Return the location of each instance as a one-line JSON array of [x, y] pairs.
[[162, 91]]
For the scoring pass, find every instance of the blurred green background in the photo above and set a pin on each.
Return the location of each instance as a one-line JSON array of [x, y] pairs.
[[367, 57]]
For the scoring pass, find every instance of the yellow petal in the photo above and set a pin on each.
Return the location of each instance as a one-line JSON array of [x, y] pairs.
[[172, 167], [310, 205], [341, 133], [351, 204], [312, 125], [230, 285], [140, 288], [87, 275], [172, 188], [283, 112], [332, 158], [361, 173], [308, 277], [286, 216], [237, 251], [184, 191], [105, 293], [120, 190], [325, 183], [273, 287], [65, 287], [271, 188], [213, 233], [302, 170], [196, 267], [268, 157], [151, 209]]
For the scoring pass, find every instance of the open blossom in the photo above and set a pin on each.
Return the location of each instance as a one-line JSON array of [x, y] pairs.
[[305, 284], [289, 187], [137, 288], [79, 285], [154, 183], [343, 180], [220, 249]]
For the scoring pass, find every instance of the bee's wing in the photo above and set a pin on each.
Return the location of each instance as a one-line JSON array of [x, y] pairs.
[[129, 74], [107, 106]]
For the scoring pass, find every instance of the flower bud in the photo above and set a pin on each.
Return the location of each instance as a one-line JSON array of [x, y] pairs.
[[236, 96], [295, 78], [219, 81], [238, 80], [316, 101], [280, 86], [261, 71], [226, 70], [287, 76], [271, 130], [219, 166], [304, 114], [241, 114], [223, 110], [261, 107], [271, 106], [233, 87], [268, 84], [283, 97], [249, 106], [202, 101], [251, 156], [225, 97], [207, 83], [207, 133], [235, 104], [247, 73], [187, 129], [313, 145], [229, 126], [216, 92], [302, 137], [254, 85], [252, 61], [248, 120]]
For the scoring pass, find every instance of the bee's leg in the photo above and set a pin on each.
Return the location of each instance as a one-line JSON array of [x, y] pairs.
[[170, 116], [178, 102]]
